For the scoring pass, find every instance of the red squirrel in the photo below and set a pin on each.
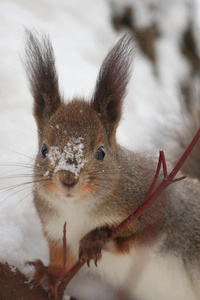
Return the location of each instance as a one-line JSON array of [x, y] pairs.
[[85, 178]]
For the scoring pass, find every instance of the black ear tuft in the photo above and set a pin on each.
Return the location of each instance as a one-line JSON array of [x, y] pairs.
[[112, 82], [42, 75]]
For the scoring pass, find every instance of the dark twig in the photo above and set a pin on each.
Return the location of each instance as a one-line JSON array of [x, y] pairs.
[[149, 192], [70, 274]]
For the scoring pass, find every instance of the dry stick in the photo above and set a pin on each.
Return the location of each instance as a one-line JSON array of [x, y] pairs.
[[149, 199], [162, 154], [160, 161]]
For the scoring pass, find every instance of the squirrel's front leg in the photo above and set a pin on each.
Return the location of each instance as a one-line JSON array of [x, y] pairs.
[[92, 243], [51, 272]]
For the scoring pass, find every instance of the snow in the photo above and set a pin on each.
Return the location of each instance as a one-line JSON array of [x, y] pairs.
[[72, 152], [81, 34]]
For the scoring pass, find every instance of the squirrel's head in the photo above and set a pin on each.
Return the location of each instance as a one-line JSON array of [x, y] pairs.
[[77, 143]]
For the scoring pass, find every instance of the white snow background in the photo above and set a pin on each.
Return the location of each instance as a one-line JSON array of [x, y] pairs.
[[81, 33]]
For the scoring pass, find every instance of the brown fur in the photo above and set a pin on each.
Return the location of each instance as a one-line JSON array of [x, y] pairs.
[[111, 85], [43, 79], [56, 257]]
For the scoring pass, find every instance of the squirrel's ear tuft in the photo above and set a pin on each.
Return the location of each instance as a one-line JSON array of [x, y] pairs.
[[42, 75], [112, 82]]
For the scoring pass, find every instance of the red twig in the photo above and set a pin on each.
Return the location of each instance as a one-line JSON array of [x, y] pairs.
[[70, 274], [64, 247], [149, 199], [162, 154], [63, 271], [155, 177]]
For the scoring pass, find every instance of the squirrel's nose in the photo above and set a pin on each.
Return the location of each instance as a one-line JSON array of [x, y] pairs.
[[68, 179]]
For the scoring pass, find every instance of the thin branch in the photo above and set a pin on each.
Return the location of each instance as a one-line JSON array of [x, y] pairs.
[[164, 164], [179, 179], [185, 155], [70, 274], [155, 177], [64, 247]]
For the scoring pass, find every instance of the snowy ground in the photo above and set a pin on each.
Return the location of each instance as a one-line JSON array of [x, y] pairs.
[[81, 34]]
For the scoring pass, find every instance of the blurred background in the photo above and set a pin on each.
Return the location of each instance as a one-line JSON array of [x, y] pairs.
[[165, 68], [165, 80]]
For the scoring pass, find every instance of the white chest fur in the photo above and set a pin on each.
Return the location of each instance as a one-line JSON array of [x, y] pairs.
[[76, 216], [143, 273], [146, 275]]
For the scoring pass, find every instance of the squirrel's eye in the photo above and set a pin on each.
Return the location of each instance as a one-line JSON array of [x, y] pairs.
[[100, 153], [44, 151]]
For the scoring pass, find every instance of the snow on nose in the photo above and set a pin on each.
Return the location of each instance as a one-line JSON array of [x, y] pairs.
[[71, 158]]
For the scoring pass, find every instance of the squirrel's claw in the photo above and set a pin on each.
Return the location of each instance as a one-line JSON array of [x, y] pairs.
[[95, 262], [84, 258], [44, 275], [87, 259], [41, 272], [88, 263], [91, 245]]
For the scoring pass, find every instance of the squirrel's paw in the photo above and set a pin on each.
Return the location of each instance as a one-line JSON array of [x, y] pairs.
[[45, 275], [91, 245], [41, 272]]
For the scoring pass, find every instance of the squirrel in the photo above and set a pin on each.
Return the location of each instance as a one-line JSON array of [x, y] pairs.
[[83, 177]]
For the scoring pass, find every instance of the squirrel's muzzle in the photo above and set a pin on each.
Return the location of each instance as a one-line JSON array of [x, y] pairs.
[[68, 179]]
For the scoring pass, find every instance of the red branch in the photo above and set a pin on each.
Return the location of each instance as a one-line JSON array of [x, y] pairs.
[[150, 197], [160, 161]]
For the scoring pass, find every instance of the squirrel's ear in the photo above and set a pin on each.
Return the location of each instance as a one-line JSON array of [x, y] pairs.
[[111, 84], [43, 79]]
